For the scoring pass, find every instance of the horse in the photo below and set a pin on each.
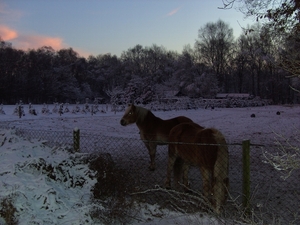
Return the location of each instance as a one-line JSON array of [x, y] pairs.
[[205, 148], [153, 130]]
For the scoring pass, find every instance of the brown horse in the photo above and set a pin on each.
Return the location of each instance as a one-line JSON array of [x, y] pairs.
[[153, 130], [205, 148]]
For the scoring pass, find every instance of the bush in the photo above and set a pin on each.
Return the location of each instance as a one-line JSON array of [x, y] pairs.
[[112, 191], [7, 211]]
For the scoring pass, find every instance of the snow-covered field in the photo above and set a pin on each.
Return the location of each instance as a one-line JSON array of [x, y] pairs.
[[235, 123], [41, 199]]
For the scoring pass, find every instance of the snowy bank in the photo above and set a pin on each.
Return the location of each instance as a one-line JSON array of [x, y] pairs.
[[46, 185]]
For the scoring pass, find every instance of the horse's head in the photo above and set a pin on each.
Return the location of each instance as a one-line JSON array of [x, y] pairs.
[[129, 116]]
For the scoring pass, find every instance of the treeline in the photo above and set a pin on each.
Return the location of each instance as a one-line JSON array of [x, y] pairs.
[[216, 63]]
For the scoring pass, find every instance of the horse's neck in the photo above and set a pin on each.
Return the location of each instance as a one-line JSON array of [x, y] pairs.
[[145, 116]]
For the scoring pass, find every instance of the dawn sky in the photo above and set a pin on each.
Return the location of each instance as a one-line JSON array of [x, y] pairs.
[[93, 27]]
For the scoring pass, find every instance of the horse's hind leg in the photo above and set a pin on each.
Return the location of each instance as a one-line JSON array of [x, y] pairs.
[[171, 162], [185, 172], [207, 189]]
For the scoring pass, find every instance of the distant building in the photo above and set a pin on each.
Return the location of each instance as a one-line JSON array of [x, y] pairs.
[[172, 96]]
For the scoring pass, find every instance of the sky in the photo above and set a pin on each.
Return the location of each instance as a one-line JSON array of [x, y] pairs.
[[94, 27]]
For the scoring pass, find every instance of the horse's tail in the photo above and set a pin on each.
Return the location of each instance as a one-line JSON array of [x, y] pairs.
[[221, 180], [221, 165]]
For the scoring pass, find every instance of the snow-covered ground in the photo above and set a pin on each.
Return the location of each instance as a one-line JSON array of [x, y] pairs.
[[44, 198], [235, 123]]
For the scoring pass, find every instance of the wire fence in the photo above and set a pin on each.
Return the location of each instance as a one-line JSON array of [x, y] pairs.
[[272, 199]]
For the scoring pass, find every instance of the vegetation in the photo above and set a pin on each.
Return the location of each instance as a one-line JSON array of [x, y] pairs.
[[281, 21], [7, 210], [111, 193], [248, 64]]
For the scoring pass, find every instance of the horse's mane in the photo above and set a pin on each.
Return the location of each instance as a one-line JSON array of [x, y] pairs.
[[142, 113]]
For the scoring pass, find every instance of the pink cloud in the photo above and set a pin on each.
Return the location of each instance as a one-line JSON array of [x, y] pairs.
[[173, 12], [32, 41], [24, 41], [7, 33], [82, 52], [36, 41]]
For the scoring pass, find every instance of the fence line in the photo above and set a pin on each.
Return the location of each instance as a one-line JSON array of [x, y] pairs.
[[265, 194]]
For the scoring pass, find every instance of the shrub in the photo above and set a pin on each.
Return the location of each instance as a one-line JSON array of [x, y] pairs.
[[7, 211], [112, 191]]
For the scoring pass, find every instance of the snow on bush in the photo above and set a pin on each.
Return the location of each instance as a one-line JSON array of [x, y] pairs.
[[46, 185]]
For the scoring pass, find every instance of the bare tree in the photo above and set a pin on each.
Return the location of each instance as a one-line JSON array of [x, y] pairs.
[[214, 44], [282, 17]]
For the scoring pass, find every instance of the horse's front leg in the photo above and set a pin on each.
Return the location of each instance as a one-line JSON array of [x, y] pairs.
[[152, 152]]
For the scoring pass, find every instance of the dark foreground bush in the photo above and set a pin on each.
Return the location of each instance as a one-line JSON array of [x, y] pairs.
[[113, 203], [7, 211]]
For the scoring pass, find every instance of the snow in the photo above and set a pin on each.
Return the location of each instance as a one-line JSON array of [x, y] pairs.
[[31, 175], [30, 169]]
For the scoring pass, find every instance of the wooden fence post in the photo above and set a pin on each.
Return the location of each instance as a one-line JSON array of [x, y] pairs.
[[246, 175], [20, 111], [76, 139]]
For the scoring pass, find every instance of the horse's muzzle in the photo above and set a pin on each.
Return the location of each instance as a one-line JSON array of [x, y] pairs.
[[123, 122]]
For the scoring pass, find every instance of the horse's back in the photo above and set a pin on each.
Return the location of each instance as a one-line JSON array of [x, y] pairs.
[[184, 131], [182, 119], [158, 128], [169, 124]]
